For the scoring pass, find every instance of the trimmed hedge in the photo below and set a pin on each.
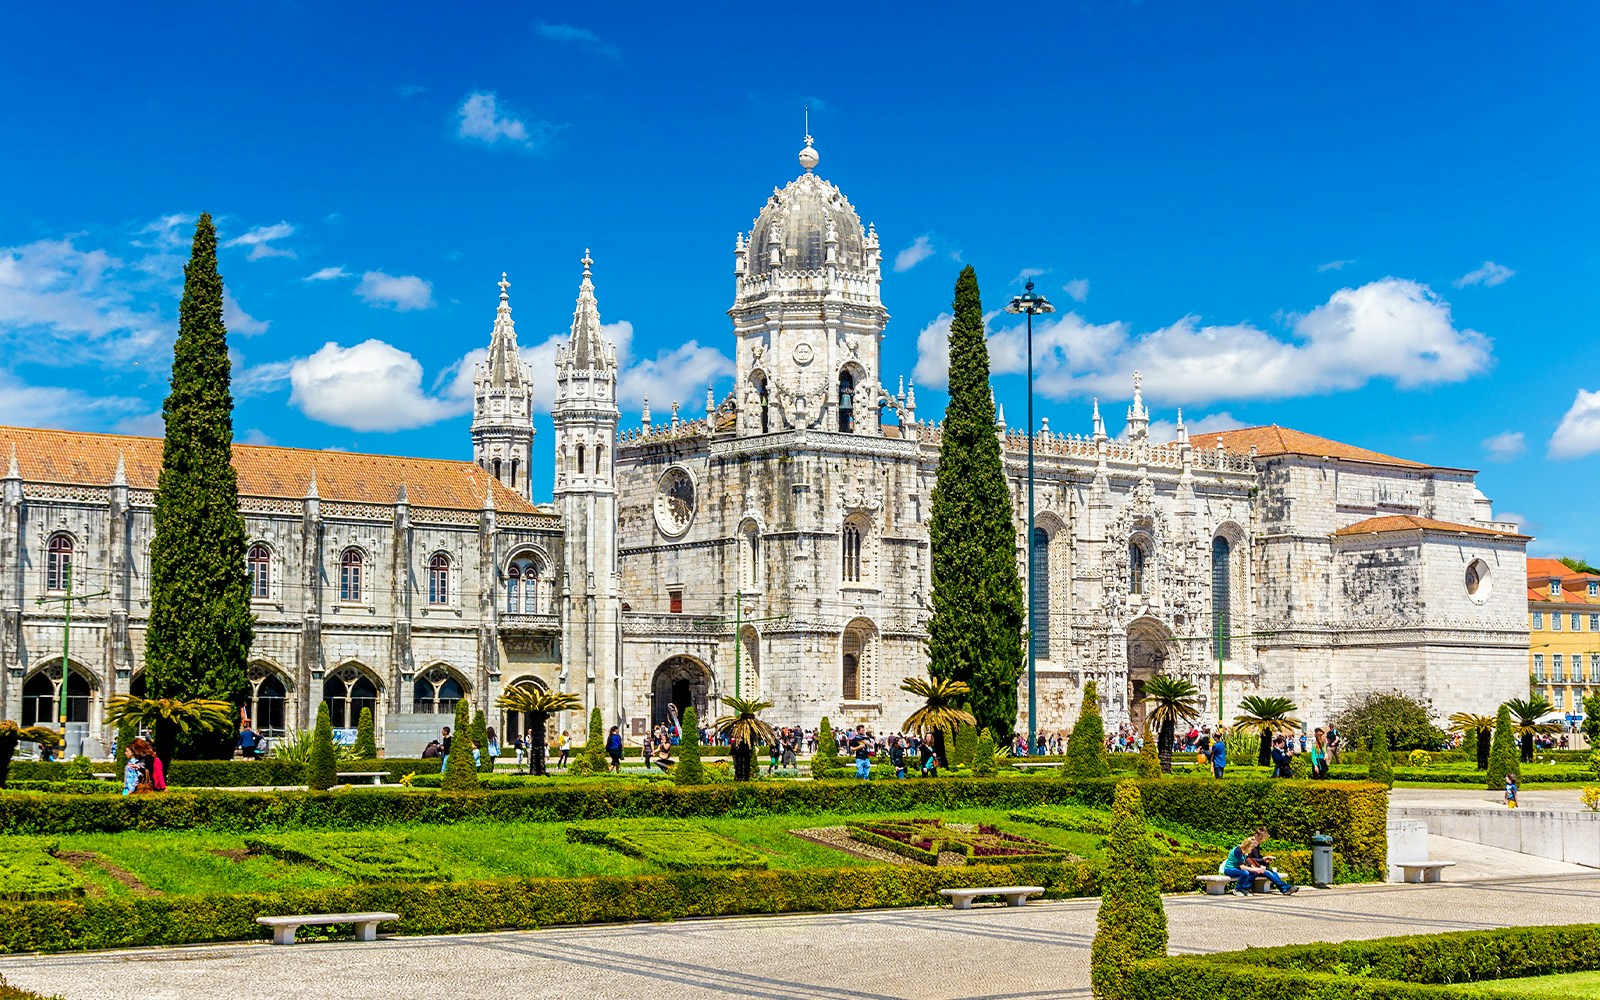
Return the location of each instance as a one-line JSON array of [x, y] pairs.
[[1352, 813], [367, 856], [230, 773], [471, 907], [678, 846], [29, 871], [1526, 776], [900, 836], [1421, 967]]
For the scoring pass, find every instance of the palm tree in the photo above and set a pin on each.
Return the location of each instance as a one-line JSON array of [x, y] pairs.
[[1526, 724], [167, 718], [941, 708], [1171, 701], [1267, 716], [744, 731], [1479, 725], [11, 734], [537, 705]]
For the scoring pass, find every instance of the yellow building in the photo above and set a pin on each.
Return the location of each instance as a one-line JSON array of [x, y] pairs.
[[1563, 633]]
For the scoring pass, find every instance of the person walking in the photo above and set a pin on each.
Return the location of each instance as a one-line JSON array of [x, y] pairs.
[[566, 748], [614, 750], [897, 755], [1319, 755], [1511, 789], [861, 744], [1219, 753]]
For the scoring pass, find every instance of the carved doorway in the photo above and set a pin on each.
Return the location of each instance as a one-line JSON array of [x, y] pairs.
[[1149, 649]]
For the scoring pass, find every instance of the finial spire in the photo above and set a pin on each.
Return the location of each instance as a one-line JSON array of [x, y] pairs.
[[311, 488], [504, 284], [808, 155], [12, 472], [1099, 422], [120, 477], [503, 367], [588, 348]]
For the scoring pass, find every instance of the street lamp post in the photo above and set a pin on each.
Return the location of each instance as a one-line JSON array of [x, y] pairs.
[[1029, 303]]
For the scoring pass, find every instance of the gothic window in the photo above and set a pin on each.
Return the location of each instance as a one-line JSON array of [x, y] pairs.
[[749, 557], [513, 473], [847, 397], [850, 563], [497, 468], [58, 563], [1138, 564], [855, 657], [1221, 598], [258, 564], [439, 579], [352, 566], [599, 459], [523, 594], [758, 381], [1039, 619], [580, 459], [347, 691], [435, 691], [39, 698], [268, 700]]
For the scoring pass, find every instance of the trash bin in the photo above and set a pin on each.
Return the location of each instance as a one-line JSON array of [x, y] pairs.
[[1321, 860]]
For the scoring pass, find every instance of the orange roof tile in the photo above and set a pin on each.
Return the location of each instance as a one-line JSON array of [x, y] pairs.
[[1275, 440], [1405, 522], [80, 458]]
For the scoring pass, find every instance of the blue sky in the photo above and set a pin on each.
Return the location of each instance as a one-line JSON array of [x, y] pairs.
[[1373, 222]]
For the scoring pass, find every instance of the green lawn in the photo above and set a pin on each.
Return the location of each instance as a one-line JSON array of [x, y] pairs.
[[1571, 986]]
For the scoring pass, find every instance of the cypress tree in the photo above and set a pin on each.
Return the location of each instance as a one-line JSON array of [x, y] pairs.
[[366, 747], [963, 746], [983, 756], [1503, 755], [975, 635], [1149, 757], [1380, 767], [1086, 744], [322, 767], [1131, 924], [826, 760], [198, 641], [594, 751], [689, 770], [459, 774]]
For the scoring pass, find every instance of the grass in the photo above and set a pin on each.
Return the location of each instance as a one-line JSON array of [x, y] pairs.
[[1568, 986]]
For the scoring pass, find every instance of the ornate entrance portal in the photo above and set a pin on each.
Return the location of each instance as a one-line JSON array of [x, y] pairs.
[[1149, 649], [681, 681]]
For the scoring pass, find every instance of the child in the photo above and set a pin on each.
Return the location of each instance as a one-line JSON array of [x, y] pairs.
[[1511, 790]]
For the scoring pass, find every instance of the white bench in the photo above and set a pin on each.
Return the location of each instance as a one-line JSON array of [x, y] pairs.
[[1038, 763], [369, 777], [107, 776], [1215, 885], [1421, 871], [1016, 895], [283, 928]]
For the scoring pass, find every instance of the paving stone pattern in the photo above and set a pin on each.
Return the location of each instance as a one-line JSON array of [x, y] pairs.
[[1037, 952]]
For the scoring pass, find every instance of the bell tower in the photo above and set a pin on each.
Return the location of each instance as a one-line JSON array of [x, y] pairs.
[[502, 405]]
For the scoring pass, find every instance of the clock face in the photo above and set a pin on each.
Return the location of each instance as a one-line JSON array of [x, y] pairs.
[[674, 502], [803, 353]]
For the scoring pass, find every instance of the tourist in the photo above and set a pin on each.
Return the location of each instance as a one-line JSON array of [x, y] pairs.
[[1333, 744], [663, 757], [1511, 789], [1319, 755], [432, 750], [861, 745], [897, 755], [494, 742], [566, 748], [1244, 871], [1219, 753], [247, 741], [1281, 759], [1265, 862], [444, 748], [774, 751], [153, 780], [614, 750], [791, 747], [132, 774]]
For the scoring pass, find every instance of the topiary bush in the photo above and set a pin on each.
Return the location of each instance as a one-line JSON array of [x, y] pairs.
[[983, 765], [459, 773], [963, 746], [1086, 744], [1503, 754], [594, 750], [1149, 757], [1379, 767], [689, 770], [322, 769], [1300, 766], [1131, 924], [825, 762], [366, 747]]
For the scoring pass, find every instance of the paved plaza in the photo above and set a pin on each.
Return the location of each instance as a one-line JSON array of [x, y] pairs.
[[1037, 952]]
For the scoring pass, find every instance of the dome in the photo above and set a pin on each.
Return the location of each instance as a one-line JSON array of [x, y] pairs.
[[799, 216]]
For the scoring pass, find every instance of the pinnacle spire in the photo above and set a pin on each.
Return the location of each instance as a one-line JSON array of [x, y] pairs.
[[12, 472], [588, 348], [504, 368], [1099, 422], [120, 477], [1138, 414]]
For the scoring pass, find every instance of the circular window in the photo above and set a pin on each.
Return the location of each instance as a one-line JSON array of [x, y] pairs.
[[1477, 581], [674, 502]]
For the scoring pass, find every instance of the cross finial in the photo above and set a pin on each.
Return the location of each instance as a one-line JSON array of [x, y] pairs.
[[504, 284], [587, 263]]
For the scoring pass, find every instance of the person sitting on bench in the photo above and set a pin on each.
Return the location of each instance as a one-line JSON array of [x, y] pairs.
[[1245, 871]]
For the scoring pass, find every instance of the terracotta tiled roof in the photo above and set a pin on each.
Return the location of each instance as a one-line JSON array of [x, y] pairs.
[[75, 457], [1405, 522], [1574, 585], [1275, 440]]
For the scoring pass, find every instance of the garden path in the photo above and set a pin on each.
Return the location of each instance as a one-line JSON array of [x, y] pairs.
[[1037, 952]]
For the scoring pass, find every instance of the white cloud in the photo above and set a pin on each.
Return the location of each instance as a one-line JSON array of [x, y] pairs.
[[238, 321], [1390, 329], [1579, 431], [1335, 265], [1077, 289], [256, 435], [482, 118], [70, 306], [400, 292], [168, 232], [920, 250], [579, 36], [151, 425], [371, 386], [679, 375], [327, 274], [1505, 446], [1167, 430], [1489, 275], [260, 240], [27, 405], [1029, 273]]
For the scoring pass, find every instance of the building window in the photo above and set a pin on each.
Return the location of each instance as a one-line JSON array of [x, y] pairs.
[[850, 560], [1538, 667], [351, 566], [513, 473], [1576, 623], [258, 564], [1039, 614], [1138, 565], [758, 381], [1556, 667], [269, 700], [497, 468], [847, 401], [580, 459], [1538, 621], [750, 557], [522, 587], [1594, 589], [854, 660], [347, 691], [58, 563], [39, 706], [675, 601], [1221, 598], [1594, 667], [1555, 588], [1555, 621], [435, 692], [439, 579]]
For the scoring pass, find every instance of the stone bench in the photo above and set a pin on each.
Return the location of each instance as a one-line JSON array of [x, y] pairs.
[[1421, 871], [1016, 895], [1038, 763], [1215, 885], [107, 776], [283, 928], [368, 777]]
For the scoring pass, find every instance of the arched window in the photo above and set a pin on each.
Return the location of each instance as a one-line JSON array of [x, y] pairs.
[[599, 459], [439, 579], [855, 660], [758, 382], [436, 691], [1138, 564], [1221, 598], [513, 473], [580, 460], [347, 691], [352, 566], [1039, 614], [269, 698], [39, 698], [847, 400], [523, 594], [750, 557], [497, 468], [850, 563], [514, 723], [58, 563], [258, 564]]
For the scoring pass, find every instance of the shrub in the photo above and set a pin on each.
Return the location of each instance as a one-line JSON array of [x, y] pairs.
[[1407, 721], [29, 871], [1300, 766], [322, 769], [1503, 753], [1086, 744], [594, 750], [79, 769], [368, 856], [9, 992], [1378, 768], [983, 764], [963, 746], [1131, 924], [825, 762], [480, 736], [688, 770], [676, 846], [459, 774], [1149, 757], [366, 746], [1594, 761], [1419, 758], [923, 840], [1590, 797]]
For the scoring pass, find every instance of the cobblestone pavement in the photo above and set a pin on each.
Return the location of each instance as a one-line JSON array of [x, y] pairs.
[[1528, 797], [1036, 952]]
